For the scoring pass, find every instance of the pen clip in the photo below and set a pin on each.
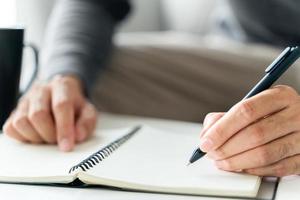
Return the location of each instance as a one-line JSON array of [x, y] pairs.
[[278, 60]]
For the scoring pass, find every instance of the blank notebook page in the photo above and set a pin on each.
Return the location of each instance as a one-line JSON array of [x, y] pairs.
[[29, 161], [155, 159]]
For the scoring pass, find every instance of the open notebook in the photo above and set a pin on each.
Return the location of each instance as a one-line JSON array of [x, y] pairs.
[[139, 158]]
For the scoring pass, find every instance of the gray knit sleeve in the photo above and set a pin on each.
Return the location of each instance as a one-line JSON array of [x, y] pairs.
[[79, 36]]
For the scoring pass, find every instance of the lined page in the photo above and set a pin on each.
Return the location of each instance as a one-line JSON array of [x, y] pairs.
[[156, 160]]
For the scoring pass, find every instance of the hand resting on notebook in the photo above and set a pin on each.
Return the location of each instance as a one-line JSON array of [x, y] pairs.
[[53, 112], [260, 135]]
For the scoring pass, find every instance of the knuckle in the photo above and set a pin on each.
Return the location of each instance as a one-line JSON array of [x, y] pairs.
[[284, 149], [218, 133], [38, 115], [280, 170], [263, 156], [209, 115], [36, 88], [20, 121], [295, 167], [258, 135], [62, 103], [295, 112], [286, 91], [247, 110]]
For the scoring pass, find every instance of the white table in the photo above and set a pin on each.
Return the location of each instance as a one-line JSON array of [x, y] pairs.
[[288, 188]]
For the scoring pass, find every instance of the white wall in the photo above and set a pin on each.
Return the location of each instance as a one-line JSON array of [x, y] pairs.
[[145, 16], [33, 14], [7, 13], [188, 15]]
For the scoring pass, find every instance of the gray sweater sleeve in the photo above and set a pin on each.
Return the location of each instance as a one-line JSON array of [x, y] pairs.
[[78, 38]]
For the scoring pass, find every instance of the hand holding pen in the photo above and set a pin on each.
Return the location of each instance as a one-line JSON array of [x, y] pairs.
[[261, 134]]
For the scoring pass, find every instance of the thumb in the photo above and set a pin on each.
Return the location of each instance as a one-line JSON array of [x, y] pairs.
[[86, 123]]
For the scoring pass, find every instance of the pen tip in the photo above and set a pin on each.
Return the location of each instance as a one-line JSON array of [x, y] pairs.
[[188, 164]]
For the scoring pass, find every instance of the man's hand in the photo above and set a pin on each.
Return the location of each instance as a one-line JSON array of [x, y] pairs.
[[260, 135], [54, 112]]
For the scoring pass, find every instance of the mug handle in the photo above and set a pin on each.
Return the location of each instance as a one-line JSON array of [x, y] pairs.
[[35, 52]]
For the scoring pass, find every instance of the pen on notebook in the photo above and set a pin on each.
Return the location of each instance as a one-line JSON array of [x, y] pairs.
[[273, 72]]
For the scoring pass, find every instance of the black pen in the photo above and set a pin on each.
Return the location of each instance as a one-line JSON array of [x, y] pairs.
[[273, 72]]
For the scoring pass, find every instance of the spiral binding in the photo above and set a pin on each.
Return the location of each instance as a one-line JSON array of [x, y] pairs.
[[100, 155]]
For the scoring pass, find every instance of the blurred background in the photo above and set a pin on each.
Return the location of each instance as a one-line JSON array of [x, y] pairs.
[[183, 22], [154, 15]]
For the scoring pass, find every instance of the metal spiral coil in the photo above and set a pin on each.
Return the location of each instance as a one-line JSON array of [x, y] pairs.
[[100, 155]]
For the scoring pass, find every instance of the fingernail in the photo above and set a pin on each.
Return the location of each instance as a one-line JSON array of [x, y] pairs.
[[218, 165], [65, 145], [206, 144], [222, 164]]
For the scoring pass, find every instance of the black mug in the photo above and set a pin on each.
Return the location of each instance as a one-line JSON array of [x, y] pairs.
[[11, 51]]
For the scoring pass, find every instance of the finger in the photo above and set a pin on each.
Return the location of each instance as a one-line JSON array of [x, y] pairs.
[[261, 132], [210, 120], [86, 122], [22, 124], [264, 155], [64, 115], [245, 113], [285, 167], [40, 114], [9, 130]]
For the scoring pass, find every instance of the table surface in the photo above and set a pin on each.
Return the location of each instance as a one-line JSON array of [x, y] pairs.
[[287, 188]]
